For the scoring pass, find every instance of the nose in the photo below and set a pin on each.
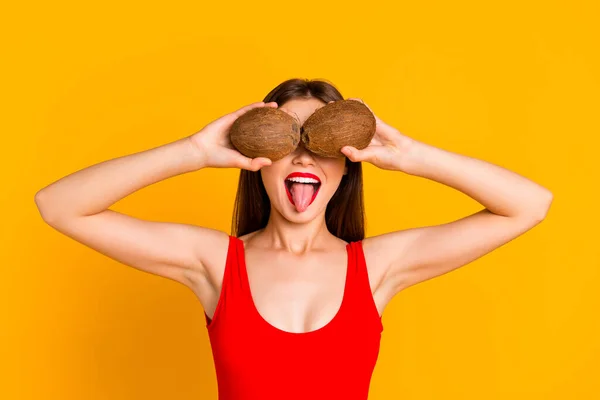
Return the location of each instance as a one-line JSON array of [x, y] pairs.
[[303, 156]]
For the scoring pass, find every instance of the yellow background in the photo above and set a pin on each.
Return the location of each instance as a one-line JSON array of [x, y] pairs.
[[513, 83]]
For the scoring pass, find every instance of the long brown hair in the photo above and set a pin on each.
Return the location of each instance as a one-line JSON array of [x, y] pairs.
[[344, 214]]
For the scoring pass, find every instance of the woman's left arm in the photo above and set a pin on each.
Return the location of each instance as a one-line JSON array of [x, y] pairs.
[[513, 205]]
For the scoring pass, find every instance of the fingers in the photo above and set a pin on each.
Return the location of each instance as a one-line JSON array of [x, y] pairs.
[[357, 99], [249, 107]]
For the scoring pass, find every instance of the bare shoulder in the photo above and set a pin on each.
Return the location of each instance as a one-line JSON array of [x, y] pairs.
[[214, 257], [212, 254]]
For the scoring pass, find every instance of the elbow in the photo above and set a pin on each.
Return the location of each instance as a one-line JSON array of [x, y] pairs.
[[540, 212], [44, 207]]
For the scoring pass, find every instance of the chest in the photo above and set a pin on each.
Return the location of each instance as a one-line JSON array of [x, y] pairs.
[[297, 293]]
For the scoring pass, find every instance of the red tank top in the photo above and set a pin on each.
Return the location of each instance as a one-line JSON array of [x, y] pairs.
[[255, 360]]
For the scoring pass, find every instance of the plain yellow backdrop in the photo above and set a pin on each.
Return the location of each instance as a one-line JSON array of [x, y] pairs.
[[513, 83]]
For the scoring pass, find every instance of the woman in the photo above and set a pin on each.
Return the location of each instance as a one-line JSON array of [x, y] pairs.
[[293, 298]]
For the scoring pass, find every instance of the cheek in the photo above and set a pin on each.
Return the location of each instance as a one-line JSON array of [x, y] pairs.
[[269, 177], [334, 172], [335, 169]]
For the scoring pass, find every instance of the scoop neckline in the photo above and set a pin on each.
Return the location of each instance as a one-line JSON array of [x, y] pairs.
[[279, 330]]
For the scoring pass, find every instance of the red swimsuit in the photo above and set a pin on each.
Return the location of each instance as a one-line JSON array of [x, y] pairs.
[[255, 360]]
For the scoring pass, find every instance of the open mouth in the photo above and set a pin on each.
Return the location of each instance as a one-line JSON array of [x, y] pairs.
[[302, 189]]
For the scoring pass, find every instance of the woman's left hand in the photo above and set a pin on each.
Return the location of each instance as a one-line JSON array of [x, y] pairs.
[[387, 148]]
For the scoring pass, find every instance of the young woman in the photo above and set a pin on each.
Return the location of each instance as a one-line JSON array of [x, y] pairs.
[[293, 298]]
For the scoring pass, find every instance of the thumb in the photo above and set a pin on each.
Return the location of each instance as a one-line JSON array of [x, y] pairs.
[[356, 155], [252, 164]]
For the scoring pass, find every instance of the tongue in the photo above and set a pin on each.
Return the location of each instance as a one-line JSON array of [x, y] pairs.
[[302, 194]]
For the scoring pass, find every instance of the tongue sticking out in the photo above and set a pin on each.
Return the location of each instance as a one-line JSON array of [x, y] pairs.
[[302, 195]]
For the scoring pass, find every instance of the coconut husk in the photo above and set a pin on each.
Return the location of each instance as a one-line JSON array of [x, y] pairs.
[[265, 132], [338, 124]]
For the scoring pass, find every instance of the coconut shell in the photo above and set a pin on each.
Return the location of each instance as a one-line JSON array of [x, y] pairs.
[[265, 132], [338, 124]]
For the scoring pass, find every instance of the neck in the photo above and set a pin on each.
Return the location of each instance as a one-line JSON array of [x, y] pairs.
[[295, 237]]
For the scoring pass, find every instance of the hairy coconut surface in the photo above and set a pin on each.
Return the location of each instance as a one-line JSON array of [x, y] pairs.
[[265, 132], [338, 124]]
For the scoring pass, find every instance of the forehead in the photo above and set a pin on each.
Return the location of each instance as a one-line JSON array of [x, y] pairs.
[[303, 108]]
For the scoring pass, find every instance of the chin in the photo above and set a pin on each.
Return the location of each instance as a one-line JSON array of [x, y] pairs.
[[305, 216]]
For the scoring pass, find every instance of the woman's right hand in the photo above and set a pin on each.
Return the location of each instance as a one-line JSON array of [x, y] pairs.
[[215, 148]]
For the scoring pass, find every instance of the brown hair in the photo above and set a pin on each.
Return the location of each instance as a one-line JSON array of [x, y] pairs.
[[344, 214]]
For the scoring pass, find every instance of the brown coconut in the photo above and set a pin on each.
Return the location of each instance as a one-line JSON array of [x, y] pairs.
[[265, 132], [338, 124]]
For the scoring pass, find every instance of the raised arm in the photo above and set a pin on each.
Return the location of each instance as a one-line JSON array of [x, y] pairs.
[[77, 205], [512, 205]]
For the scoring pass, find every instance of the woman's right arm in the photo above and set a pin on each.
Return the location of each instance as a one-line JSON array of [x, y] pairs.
[[77, 205]]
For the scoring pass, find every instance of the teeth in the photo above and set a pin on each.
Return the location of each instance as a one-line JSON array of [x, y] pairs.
[[303, 180]]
